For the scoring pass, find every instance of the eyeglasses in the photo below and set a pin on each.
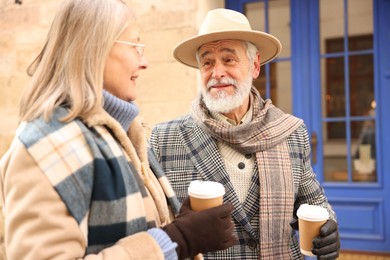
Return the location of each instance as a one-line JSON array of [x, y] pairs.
[[139, 47]]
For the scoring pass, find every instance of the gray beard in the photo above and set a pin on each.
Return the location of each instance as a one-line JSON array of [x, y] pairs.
[[223, 102]]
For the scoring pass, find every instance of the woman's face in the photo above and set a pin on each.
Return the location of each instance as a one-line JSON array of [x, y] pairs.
[[123, 65]]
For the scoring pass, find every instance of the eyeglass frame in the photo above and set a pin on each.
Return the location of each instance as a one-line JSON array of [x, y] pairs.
[[138, 46]]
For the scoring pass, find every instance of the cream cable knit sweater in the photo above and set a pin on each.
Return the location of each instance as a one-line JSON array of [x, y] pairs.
[[240, 178], [240, 167]]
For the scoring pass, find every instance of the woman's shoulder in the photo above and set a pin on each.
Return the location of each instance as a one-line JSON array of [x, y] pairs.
[[49, 131]]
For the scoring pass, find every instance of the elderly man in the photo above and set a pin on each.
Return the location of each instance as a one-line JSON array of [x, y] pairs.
[[260, 154]]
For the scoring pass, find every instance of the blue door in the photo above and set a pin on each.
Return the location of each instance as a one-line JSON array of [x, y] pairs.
[[334, 72]]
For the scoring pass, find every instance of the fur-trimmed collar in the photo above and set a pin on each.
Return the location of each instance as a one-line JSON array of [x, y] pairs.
[[134, 141]]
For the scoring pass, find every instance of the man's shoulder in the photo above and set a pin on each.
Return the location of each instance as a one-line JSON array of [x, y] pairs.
[[299, 136], [174, 123]]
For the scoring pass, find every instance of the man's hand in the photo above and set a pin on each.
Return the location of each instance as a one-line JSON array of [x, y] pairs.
[[294, 224], [327, 244]]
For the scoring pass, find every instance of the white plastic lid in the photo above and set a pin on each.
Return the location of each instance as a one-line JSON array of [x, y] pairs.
[[312, 213], [205, 189]]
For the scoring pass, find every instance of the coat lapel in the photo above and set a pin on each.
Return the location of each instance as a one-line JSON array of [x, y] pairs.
[[203, 152], [251, 203]]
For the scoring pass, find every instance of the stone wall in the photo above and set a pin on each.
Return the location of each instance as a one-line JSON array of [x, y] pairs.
[[165, 89], [22, 32]]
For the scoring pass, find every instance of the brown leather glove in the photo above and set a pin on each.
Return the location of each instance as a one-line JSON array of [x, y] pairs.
[[199, 232]]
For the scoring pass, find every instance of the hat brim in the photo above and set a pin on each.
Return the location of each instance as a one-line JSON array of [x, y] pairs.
[[268, 46]]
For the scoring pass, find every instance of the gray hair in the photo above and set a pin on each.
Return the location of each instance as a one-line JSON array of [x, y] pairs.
[[69, 69]]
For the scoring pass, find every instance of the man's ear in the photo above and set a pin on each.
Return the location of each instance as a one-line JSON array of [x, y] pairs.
[[256, 66]]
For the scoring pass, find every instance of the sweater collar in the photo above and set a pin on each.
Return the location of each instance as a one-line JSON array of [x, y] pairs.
[[124, 112]]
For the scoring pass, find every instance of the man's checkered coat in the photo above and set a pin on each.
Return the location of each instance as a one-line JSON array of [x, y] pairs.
[[187, 153]]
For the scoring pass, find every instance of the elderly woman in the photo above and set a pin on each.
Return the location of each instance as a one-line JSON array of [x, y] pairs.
[[78, 180]]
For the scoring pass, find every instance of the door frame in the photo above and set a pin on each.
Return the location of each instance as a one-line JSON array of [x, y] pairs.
[[366, 198], [306, 87]]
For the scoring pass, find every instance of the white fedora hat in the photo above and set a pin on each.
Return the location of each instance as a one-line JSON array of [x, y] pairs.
[[223, 24]]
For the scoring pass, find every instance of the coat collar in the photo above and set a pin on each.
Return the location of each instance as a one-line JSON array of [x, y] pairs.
[[134, 142]]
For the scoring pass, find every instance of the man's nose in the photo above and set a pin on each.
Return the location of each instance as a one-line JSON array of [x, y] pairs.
[[218, 70]]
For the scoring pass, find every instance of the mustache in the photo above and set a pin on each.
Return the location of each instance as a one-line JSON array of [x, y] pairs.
[[223, 81]]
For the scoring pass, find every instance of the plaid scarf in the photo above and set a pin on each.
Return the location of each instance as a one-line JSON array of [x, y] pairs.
[[102, 189], [266, 136]]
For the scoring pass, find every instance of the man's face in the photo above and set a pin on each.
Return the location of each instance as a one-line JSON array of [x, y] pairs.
[[226, 74]]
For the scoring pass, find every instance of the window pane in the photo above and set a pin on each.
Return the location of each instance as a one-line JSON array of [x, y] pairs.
[[256, 15], [278, 73], [361, 80], [335, 154], [261, 81], [331, 24], [364, 152], [278, 23], [333, 87], [360, 19], [280, 80], [361, 42]]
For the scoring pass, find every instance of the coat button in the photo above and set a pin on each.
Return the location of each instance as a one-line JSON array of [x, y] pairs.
[[241, 165], [252, 244]]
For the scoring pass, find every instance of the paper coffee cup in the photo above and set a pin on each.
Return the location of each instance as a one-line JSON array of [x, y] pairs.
[[310, 220], [205, 194]]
